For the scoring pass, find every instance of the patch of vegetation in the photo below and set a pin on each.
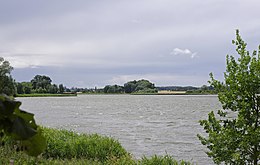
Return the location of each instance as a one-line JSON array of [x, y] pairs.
[[66, 144], [8, 154], [162, 160], [7, 83], [46, 95], [67, 147], [20, 126], [235, 139]]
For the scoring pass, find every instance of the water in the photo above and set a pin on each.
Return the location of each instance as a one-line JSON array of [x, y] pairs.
[[144, 125]]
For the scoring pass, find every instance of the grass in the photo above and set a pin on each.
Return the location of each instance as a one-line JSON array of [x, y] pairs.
[[67, 147], [67, 144], [162, 160], [46, 95]]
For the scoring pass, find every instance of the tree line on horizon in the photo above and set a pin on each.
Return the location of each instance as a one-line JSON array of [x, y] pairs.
[[39, 84], [42, 84], [140, 86]]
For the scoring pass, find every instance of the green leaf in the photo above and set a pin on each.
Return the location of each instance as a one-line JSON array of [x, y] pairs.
[[233, 136], [27, 117], [21, 130], [36, 144]]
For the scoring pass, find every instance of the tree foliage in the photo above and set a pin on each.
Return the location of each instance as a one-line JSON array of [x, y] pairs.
[[20, 126], [61, 88], [7, 85], [41, 81], [39, 84], [234, 135], [24, 88], [113, 89], [139, 86]]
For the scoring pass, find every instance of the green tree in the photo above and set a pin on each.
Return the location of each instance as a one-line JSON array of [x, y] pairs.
[[144, 85], [27, 87], [130, 86], [113, 89], [19, 88], [234, 135], [7, 84], [139, 86], [53, 89], [41, 81], [61, 88]]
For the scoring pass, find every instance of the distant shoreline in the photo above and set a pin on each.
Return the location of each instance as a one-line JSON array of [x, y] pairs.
[[46, 95], [183, 93], [158, 93]]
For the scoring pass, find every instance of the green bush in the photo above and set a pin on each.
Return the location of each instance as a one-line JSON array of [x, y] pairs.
[[8, 154], [67, 147], [161, 160], [67, 144]]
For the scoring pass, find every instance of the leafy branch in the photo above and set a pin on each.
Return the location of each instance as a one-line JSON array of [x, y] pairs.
[[20, 126]]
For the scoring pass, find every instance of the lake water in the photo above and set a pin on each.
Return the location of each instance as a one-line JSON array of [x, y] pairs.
[[144, 124]]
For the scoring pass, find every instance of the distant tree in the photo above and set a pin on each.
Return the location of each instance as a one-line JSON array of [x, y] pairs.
[[27, 90], [23, 87], [7, 84], [113, 89], [139, 86], [204, 87], [41, 81], [53, 89], [61, 88], [144, 85], [27, 87], [67, 89], [234, 136], [130, 86], [19, 88], [106, 88]]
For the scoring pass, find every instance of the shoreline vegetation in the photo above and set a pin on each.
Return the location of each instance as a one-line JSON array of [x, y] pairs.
[[46, 95], [67, 147], [42, 86], [136, 93]]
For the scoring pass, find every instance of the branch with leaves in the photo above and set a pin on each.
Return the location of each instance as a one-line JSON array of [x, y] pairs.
[[20, 126], [235, 139]]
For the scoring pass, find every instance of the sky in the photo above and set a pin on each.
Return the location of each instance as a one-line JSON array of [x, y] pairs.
[[83, 43]]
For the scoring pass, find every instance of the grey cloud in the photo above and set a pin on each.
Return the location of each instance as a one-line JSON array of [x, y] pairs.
[[124, 37]]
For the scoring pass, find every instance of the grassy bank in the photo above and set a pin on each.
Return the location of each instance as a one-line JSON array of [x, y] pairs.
[[66, 147], [46, 95]]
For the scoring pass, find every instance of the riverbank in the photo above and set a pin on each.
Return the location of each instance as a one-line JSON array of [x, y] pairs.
[[67, 147], [156, 93], [46, 95]]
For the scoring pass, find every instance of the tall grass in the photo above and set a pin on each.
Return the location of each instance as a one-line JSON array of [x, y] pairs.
[[162, 160], [66, 144], [67, 147]]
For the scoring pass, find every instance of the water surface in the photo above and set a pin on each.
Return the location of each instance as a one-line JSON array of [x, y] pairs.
[[144, 124]]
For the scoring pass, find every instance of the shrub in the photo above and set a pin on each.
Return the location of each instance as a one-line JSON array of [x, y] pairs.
[[67, 144], [162, 160]]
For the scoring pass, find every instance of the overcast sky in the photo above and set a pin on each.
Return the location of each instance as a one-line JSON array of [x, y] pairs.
[[87, 43]]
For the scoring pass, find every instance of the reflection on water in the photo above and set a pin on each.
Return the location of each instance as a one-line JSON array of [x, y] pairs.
[[145, 125]]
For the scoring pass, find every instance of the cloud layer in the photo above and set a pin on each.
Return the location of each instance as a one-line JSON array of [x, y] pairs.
[[92, 43]]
